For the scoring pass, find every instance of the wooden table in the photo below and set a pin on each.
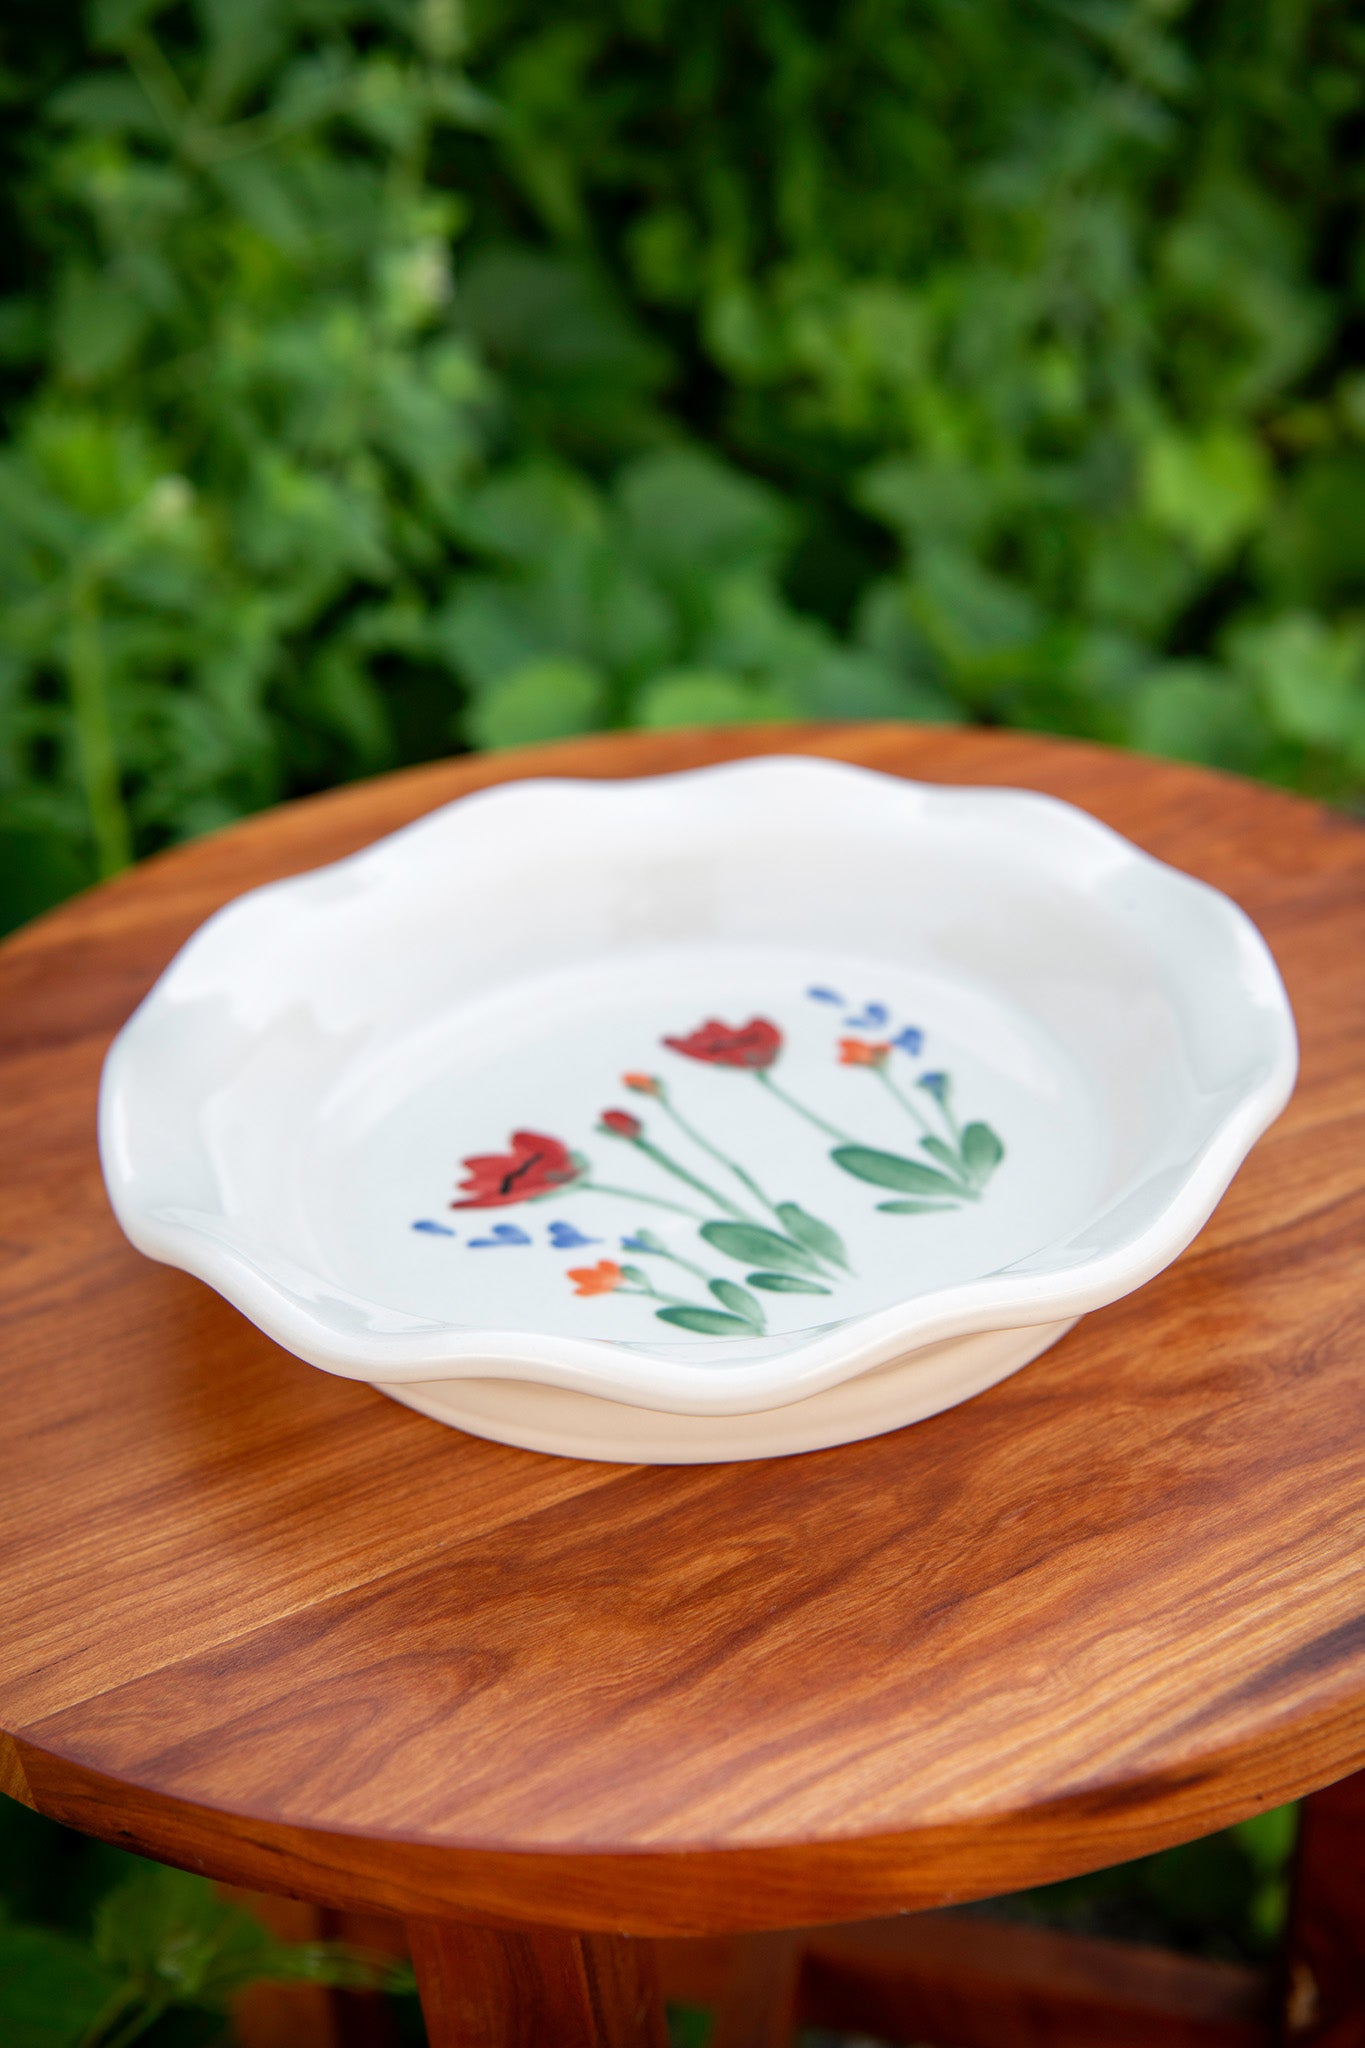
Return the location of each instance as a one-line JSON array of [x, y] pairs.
[[267, 1624]]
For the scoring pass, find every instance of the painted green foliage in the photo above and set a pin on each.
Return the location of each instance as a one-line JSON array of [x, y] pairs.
[[379, 379]]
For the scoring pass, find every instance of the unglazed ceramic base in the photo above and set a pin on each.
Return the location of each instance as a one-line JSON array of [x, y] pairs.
[[573, 1425]]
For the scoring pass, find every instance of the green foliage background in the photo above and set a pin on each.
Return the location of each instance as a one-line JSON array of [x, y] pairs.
[[382, 377]]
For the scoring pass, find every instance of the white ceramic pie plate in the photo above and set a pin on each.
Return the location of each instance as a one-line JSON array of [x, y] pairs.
[[711, 1116]]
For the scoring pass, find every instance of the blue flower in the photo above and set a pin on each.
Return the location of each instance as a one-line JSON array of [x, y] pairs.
[[825, 995], [567, 1237], [937, 1085], [503, 1233], [642, 1241], [432, 1229], [910, 1040]]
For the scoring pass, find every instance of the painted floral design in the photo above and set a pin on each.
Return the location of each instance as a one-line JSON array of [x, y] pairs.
[[755, 1044], [533, 1165], [855, 1052], [963, 1159], [781, 1247], [603, 1278]]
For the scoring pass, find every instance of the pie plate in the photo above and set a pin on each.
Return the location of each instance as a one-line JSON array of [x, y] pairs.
[[707, 1116]]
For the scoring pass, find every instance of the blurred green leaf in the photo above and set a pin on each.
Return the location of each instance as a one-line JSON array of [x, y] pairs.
[[543, 700], [1310, 678], [707, 697], [98, 324], [51, 1988], [1193, 713], [598, 335], [1314, 546], [690, 516], [1210, 489]]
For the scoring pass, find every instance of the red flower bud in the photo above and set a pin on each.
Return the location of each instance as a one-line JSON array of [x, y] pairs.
[[643, 1084], [621, 1123]]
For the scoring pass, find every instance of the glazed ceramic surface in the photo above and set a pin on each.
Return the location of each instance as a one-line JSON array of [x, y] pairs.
[[705, 1095]]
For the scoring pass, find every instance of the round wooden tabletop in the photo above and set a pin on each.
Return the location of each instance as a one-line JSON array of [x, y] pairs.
[[269, 1624]]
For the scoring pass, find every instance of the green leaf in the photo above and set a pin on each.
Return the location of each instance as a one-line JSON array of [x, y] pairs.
[[982, 1152], [51, 1988], [109, 100], [889, 1170], [529, 514], [785, 1283], [1210, 488], [98, 325], [111, 21], [708, 697], [1310, 676], [170, 1931], [687, 511], [917, 1208], [738, 1300], [1193, 712], [543, 700], [944, 1154], [709, 1322], [809, 1231], [752, 1245]]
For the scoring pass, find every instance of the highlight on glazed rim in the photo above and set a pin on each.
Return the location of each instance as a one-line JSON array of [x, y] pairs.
[[914, 1151]]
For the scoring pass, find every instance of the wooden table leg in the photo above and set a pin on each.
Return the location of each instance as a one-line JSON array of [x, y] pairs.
[[758, 2007], [1324, 1972], [484, 1987]]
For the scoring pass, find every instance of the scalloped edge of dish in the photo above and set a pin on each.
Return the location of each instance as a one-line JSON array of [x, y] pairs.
[[645, 1377]]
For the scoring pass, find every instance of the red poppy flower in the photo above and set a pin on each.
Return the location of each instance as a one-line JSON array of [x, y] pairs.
[[603, 1278], [620, 1123], [536, 1165], [857, 1052], [754, 1045]]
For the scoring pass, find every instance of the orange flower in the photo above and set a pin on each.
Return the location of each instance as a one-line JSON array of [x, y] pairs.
[[643, 1084], [856, 1052], [603, 1278]]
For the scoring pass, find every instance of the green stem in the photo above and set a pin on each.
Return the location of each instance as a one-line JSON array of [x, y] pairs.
[[686, 1264], [598, 1187], [681, 1173], [830, 1130], [94, 728], [906, 1103], [954, 1129], [148, 2013], [98, 2029], [745, 1179], [652, 1293]]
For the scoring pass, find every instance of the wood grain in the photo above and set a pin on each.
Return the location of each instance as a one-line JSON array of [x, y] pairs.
[[527, 1989], [267, 1623]]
